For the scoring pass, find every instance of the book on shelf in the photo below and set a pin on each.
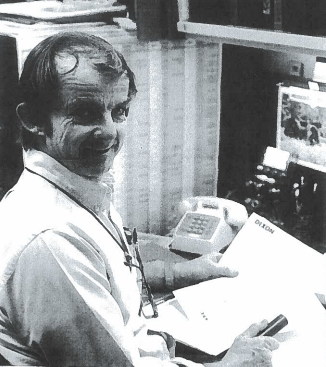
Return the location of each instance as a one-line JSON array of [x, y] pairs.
[[232, 11], [295, 16], [222, 12], [278, 19], [250, 13], [316, 14], [268, 14]]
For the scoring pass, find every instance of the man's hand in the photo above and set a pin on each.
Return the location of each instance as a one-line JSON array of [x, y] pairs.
[[203, 268], [248, 350]]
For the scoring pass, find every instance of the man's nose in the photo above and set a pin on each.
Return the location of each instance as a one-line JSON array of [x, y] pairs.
[[106, 128]]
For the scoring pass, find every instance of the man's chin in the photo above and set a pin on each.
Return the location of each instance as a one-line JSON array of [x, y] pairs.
[[93, 172], [94, 169]]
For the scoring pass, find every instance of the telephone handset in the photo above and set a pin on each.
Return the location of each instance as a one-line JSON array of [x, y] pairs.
[[207, 225]]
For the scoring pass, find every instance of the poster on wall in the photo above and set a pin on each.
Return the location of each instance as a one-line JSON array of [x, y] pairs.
[[301, 125]]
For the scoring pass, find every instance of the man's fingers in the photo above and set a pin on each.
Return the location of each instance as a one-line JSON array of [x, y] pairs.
[[217, 256], [267, 342], [223, 271], [213, 256], [254, 329]]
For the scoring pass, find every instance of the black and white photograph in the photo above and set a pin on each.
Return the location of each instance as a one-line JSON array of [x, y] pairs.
[[163, 183]]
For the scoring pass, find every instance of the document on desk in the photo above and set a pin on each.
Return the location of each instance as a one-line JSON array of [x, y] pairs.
[[263, 250], [277, 275]]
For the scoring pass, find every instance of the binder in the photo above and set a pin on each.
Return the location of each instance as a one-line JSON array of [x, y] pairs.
[[316, 15], [232, 9], [250, 13], [209, 11], [278, 19], [268, 14], [295, 16]]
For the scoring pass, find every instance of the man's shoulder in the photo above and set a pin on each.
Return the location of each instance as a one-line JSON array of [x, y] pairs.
[[30, 208], [32, 198]]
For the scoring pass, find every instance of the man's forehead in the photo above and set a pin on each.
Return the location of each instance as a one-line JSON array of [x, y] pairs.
[[83, 75], [102, 60], [76, 88]]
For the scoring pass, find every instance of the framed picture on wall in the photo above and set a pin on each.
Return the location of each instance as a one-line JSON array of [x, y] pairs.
[[301, 125]]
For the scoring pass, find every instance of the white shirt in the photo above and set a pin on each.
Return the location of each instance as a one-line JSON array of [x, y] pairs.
[[66, 296]]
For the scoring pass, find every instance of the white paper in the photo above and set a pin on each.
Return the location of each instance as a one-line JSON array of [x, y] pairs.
[[277, 275], [221, 309], [263, 251]]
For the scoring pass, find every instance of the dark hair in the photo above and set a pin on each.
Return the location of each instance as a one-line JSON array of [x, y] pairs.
[[39, 81]]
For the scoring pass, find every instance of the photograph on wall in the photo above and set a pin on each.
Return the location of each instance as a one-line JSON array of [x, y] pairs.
[[301, 126]]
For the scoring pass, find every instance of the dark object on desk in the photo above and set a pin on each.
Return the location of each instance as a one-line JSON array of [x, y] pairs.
[[3, 361], [195, 355], [185, 255]]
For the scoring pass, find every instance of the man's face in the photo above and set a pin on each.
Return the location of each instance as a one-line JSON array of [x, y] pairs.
[[87, 123]]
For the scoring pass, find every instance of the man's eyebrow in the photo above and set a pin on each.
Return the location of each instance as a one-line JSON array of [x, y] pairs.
[[124, 104], [88, 101]]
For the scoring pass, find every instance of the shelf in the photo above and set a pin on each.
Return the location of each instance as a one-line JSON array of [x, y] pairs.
[[258, 38]]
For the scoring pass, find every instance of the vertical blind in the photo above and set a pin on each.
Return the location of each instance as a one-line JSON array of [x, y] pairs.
[[171, 147]]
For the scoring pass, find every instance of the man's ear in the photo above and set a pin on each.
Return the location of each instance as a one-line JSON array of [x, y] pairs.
[[26, 119]]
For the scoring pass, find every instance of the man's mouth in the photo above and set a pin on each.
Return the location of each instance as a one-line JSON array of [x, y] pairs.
[[91, 152]]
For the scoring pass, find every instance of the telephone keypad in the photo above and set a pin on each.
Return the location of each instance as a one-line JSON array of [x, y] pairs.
[[198, 225]]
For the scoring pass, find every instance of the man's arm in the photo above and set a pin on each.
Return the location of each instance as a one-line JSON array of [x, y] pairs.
[[170, 275], [60, 302], [174, 274]]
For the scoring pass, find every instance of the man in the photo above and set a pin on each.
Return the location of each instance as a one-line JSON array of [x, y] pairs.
[[68, 293]]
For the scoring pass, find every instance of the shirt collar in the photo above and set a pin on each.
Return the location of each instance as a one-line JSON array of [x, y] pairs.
[[95, 195]]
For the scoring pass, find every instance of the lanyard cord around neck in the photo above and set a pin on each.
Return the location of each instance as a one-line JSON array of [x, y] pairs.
[[122, 245]]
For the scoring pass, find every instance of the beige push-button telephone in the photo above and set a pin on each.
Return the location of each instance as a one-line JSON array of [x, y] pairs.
[[206, 229]]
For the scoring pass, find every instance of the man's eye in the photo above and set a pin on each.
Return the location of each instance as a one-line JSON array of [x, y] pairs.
[[85, 115], [119, 114]]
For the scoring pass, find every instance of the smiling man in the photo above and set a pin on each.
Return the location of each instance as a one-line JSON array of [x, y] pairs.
[[69, 293]]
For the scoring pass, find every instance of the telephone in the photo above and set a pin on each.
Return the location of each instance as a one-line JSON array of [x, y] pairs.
[[208, 224]]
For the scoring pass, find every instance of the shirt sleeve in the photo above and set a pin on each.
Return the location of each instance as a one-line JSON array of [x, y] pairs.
[[61, 305]]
